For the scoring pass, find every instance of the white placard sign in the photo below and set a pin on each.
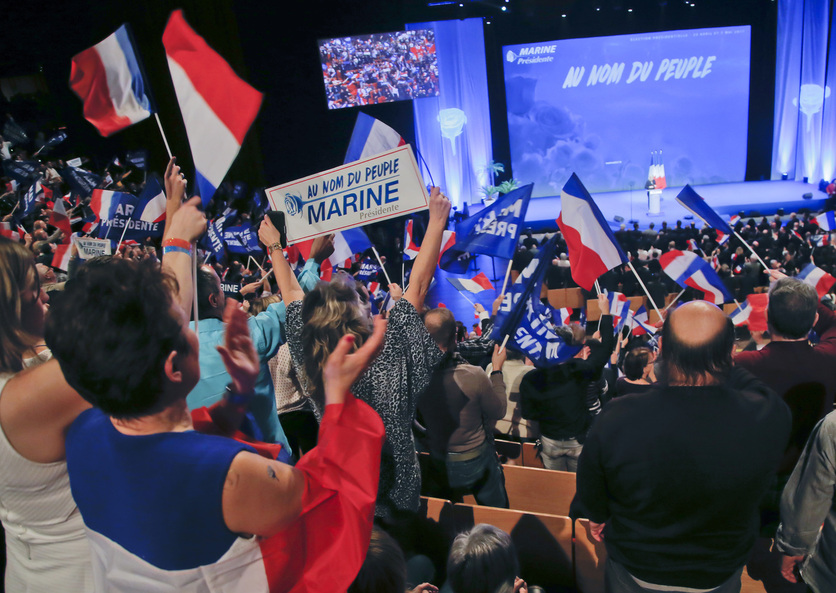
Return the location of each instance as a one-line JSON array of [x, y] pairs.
[[359, 193], [89, 248], [76, 162]]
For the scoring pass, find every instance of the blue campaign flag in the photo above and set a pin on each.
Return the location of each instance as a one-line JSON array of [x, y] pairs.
[[53, 141], [28, 200], [529, 323], [494, 230], [213, 238], [81, 181], [242, 239], [519, 298], [694, 202], [23, 172], [138, 158], [129, 221], [368, 270]]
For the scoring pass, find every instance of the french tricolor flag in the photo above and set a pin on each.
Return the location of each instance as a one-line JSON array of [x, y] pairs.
[[593, 249], [619, 308], [564, 314], [217, 106], [826, 221], [371, 137], [448, 239], [16, 234], [741, 315], [108, 79], [346, 244], [689, 270], [410, 249], [817, 278], [723, 237], [476, 284], [104, 202]]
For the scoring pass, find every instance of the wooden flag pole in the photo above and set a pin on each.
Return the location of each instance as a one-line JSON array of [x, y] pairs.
[[167, 149], [598, 292], [749, 247], [668, 306], [507, 275], [382, 267], [647, 292]]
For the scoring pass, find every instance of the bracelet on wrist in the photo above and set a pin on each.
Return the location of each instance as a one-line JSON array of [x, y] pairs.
[[275, 246], [176, 249], [174, 242]]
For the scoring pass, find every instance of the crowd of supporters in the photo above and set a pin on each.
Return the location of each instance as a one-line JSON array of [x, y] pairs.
[[99, 352]]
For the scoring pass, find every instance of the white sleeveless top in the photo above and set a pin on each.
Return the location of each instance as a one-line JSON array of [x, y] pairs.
[[46, 547]]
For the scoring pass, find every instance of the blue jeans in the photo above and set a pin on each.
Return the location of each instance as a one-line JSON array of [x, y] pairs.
[[481, 476], [560, 454]]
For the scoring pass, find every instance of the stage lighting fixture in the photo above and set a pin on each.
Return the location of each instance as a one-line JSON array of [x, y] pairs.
[[504, 9], [629, 10], [598, 9], [784, 176], [563, 16]]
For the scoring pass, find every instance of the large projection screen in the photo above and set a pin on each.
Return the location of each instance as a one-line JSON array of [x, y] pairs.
[[600, 106]]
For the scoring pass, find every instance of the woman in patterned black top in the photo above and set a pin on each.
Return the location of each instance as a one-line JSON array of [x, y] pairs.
[[401, 372]]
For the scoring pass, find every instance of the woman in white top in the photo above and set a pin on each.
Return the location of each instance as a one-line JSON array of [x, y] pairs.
[[46, 549]]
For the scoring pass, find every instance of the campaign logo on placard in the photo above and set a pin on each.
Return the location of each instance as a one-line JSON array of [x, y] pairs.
[[532, 55], [293, 205]]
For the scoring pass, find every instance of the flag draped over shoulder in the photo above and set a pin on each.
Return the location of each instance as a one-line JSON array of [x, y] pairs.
[[593, 249], [370, 137], [108, 79], [217, 106], [527, 321], [690, 271], [494, 230], [695, 203]]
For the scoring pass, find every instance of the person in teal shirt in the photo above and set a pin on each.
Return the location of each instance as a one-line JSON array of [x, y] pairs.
[[267, 331]]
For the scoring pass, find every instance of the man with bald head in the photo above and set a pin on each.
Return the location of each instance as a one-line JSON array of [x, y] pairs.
[[671, 479]]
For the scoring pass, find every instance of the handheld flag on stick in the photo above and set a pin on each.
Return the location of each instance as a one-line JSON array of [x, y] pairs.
[[476, 284], [741, 315], [410, 249], [527, 321], [689, 270], [693, 202], [593, 249], [217, 106], [494, 230], [108, 79], [817, 278], [371, 137], [619, 309]]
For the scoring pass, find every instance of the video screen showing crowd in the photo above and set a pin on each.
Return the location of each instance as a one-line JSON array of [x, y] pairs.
[[380, 68]]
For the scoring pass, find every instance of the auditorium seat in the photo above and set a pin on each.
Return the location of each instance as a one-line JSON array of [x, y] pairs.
[[543, 542], [509, 452], [539, 490], [531, 456], [434, 531], [557, 298]]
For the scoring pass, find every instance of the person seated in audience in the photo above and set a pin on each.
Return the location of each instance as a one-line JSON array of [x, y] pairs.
[[46, 549], [400, 374], [484, 560], [385, 569], [807, 533], [638, 372], [671, 479], [168, 507], [565, 398], [459, 409]]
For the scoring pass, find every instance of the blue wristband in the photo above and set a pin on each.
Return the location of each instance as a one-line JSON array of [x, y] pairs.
[[176, 249]]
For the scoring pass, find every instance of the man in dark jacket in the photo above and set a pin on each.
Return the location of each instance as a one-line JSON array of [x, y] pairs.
[[671, 479]]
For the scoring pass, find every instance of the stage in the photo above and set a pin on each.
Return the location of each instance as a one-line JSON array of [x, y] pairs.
[[755, 198]]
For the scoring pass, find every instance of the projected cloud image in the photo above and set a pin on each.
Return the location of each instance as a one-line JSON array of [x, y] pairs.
[[598, 107]]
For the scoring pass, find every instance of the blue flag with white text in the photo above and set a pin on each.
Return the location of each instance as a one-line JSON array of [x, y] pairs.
[[494, 230]]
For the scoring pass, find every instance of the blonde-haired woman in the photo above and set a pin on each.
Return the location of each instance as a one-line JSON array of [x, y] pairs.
[[399, 375], [46, 548]]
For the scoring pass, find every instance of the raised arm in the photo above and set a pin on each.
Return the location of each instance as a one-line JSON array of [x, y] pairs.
[[262, 496], [187, 224], [285, 278], [175, 191], [427, 259]]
